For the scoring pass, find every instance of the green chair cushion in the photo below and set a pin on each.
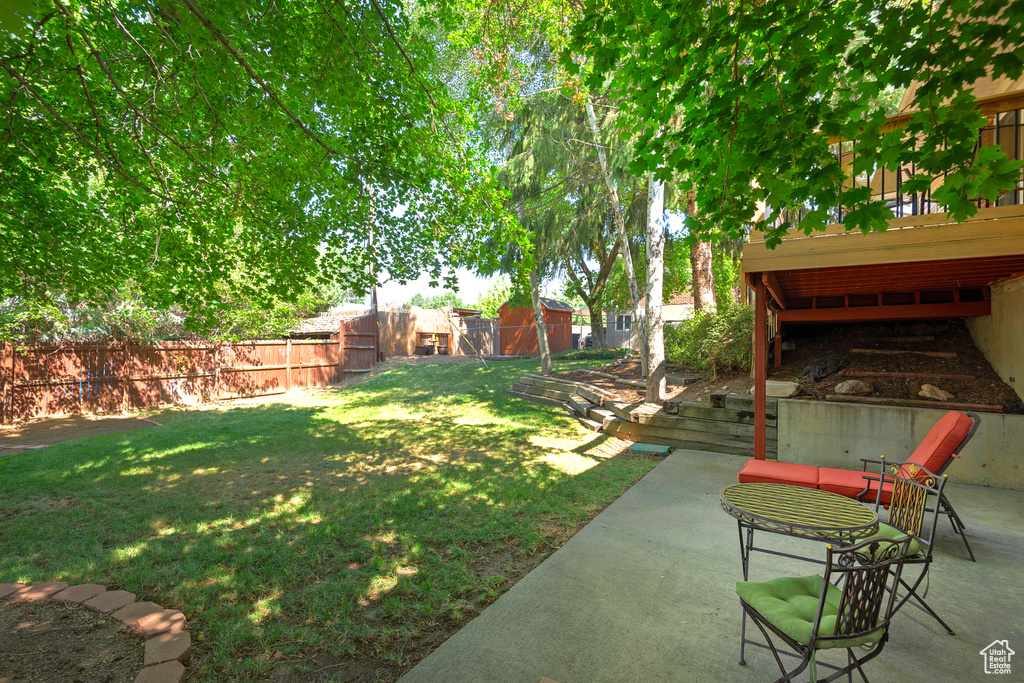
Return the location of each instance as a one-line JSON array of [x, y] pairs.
[[791, 603], [887, 531]]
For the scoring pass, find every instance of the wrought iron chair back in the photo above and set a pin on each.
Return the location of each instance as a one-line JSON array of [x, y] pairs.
[[915, 503], [862, 572]]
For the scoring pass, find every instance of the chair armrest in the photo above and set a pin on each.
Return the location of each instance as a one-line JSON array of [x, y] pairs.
[[872, 461]]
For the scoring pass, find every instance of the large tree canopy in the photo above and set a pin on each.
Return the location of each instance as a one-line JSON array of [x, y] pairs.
[[172, 144], [745, 99]]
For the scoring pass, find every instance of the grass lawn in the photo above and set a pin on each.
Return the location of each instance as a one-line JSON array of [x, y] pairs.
[[340, 535]]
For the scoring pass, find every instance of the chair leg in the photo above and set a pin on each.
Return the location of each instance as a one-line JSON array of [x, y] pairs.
[[957, 523], [786, 675], [919, 602], [743, 639]]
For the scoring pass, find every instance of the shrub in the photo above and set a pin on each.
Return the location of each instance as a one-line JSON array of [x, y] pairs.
[[712, 342]]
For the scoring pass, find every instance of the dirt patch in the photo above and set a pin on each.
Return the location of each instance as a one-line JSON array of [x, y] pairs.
[[908, 340], [46, 431], [48, 642]]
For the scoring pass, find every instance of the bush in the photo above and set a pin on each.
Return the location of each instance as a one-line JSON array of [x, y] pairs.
[[712, 342]]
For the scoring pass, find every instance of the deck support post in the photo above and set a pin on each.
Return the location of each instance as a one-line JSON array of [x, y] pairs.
[[760, 361]]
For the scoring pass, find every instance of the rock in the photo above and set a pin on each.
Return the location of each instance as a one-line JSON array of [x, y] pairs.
[[775, 389], [789, 346], [854, 387], [933, 392]]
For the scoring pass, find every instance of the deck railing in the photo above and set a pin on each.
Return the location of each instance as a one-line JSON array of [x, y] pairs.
[[1005, 129]]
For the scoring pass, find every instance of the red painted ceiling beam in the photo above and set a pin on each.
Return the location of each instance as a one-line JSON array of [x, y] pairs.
[[891, 312]]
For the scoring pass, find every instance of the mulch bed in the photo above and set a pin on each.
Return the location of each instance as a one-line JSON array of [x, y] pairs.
[[813, 342]]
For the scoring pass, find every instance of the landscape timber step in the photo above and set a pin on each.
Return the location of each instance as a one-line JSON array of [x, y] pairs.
[[706, 412], [651, 448], [589, 424], [579, 404], [621, 410], [629, 432], [568, 385], [734, 401], [535, 399], [680, 380], [544, 384], [618, 380], [694, 424], [601, 415], [560, 396], [588, 393], [672, 437], [365, 370]]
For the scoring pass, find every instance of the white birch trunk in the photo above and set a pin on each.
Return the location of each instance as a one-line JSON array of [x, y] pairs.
[[620, 225], [653, 323]]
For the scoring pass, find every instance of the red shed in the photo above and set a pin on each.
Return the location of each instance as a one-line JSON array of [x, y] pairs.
[[518, 332]]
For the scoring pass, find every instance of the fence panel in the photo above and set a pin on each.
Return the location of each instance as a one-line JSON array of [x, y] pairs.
[[358, 336], [64, 379]]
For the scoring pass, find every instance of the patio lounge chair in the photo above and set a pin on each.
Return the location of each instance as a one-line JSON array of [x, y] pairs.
[[943, 443], [849, 607], [915, 493]]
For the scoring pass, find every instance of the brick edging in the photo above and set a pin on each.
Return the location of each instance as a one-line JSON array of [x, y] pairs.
[[168, 645]]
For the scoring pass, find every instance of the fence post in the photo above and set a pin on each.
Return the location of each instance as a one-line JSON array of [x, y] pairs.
[[7, 399], [216, 371], [288, 364], [341, 351], [125, 374]]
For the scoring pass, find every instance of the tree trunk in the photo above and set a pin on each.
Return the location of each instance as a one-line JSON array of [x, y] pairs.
[[538, 310], [655, 326], [620, 225], [700, 265], [597, 329], [538, 318]]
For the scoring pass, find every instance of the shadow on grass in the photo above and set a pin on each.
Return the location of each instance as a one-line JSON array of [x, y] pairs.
[[350, 524]]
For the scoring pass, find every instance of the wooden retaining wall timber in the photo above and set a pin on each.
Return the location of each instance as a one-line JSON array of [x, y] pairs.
[[725, 427]]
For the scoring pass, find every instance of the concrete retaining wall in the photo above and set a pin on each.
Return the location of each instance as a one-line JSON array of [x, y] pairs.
[[1000, 335], [839, 434]]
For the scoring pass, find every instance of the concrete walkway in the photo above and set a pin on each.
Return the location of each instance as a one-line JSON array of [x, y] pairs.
[[645, 592]]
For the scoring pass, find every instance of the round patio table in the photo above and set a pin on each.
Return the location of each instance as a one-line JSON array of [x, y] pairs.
[[796, 511]]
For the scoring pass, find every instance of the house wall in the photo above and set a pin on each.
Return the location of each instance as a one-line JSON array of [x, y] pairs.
[[1000, 336], [838, 435], [620, 338], [629, 338]]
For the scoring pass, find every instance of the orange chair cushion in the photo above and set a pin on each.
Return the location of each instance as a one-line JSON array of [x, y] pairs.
[[942, 440], [850, 483], [775, 472]]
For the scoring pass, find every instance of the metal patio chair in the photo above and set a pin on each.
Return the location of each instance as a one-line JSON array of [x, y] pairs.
[[913, 508], [849, 607]]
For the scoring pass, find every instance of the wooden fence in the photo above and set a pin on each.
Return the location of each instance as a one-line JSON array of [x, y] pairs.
[[64, 379], [400, 330]]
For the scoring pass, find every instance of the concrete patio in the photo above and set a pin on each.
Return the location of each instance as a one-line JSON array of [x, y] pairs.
[[645, 592]]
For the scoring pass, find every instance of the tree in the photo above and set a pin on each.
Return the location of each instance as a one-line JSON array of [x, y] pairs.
[[445, 300], [172, 144], [491, 300], [745, 99]]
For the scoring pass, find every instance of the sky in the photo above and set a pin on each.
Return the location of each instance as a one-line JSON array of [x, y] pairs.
[[470, 288]]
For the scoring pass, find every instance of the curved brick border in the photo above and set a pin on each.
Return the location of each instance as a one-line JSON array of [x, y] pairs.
[[168, 644]]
